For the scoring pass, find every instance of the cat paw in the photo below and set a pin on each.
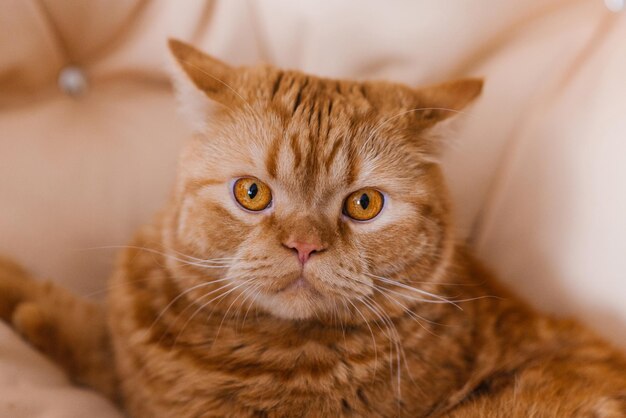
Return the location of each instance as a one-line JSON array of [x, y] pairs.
[[30, 321], [15, 287]]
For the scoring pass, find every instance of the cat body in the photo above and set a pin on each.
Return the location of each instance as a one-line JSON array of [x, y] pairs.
[[306, 266], [493, 358]]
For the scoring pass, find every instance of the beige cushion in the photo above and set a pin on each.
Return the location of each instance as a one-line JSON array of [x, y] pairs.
[[32, 387], [81, 173]]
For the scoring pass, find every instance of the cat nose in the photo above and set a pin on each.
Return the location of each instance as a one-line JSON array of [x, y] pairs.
[[304, 249]]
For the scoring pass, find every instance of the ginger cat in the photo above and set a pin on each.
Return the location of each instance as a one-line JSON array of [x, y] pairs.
[[306, 267]]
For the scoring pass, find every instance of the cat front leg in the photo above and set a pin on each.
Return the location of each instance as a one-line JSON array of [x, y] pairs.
[[70, 330]]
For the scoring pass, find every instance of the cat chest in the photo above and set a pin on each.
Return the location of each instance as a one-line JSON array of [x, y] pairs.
[[253, 380]]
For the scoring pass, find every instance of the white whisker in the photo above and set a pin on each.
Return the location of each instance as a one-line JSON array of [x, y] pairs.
[[407, 287], [227, 311], [371, 333], [386, 121], [204, 305], [182, 294], [207, 263], [256, 290]]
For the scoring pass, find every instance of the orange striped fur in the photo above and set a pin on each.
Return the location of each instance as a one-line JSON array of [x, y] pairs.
[[389, 318]]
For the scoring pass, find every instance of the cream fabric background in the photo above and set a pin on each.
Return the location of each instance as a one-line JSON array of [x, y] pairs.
[[537, 171]]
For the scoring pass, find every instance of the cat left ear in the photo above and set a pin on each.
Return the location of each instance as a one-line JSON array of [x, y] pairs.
[[208, 74], [442, 101], [200, 82]]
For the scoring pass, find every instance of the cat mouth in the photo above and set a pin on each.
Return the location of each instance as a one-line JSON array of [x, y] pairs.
[[300, 284], [298, 298]]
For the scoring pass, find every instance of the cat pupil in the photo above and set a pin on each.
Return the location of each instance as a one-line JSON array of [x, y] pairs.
[[253, 190], [364, 201]]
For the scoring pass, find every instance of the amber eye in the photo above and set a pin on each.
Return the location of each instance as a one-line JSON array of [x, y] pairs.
[[252, 194], [363, 204]]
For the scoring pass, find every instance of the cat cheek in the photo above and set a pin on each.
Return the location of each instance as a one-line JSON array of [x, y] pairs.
[[208, 228]]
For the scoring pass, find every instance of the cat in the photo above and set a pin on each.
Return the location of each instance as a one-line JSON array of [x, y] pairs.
[[306, 266]]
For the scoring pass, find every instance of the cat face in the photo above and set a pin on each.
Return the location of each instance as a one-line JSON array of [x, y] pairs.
[[304, 197]]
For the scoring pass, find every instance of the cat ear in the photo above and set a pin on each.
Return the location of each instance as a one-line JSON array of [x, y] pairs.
[[442, 101], [200, 79], [433, 112], [210, 75]]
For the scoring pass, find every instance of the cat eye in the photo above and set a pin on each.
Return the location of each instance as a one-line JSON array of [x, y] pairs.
[[364, 204], [252, 194]]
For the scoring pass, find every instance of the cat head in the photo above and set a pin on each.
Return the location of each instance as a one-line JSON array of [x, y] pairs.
[[307, 197]]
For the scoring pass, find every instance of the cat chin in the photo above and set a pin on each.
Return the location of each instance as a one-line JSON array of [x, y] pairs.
[[299, 301], [293, 314]]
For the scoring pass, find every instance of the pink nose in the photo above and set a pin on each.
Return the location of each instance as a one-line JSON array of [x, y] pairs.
[[304, 249]]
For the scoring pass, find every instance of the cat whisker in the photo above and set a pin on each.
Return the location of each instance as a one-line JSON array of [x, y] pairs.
[[399, 347], [108, 287], [228, 310], [208, 263], [202, 260], [204, 305], [415, 317], [383, 291], [256, 290], [182, 313], [246, 292], [384, 318], [343, 329], [399, 114], [371, 333], [439, 298], [182, 294], [165, 333], [454, 302], [392, 332]]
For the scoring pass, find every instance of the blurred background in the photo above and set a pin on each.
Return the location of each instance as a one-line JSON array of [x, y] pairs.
[[89, 131]]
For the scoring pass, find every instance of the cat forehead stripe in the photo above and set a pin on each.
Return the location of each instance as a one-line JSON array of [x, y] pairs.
[[307, 140]]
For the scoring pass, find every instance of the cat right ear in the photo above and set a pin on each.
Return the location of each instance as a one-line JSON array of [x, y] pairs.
[[437, 107], [446, 100], [200, 79]]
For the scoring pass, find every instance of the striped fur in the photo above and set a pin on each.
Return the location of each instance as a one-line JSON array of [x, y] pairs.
[[395, 319]]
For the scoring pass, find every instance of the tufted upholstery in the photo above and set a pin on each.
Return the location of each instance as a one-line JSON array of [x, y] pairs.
[[537, 171], [83, 172]]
